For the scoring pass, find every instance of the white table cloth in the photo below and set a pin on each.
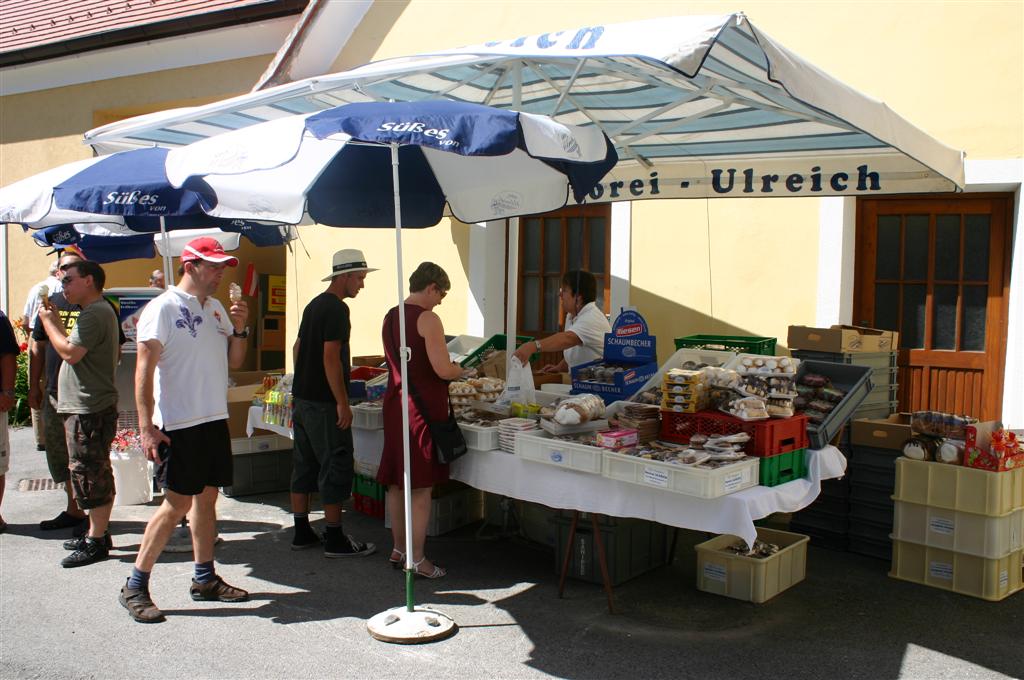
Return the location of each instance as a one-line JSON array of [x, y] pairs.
[[557, 487]]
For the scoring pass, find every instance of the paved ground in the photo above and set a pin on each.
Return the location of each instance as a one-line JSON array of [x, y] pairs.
[[307, 614]]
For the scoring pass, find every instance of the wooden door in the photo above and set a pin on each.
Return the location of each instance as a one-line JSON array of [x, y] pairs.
[[551, 244], [937, 270]]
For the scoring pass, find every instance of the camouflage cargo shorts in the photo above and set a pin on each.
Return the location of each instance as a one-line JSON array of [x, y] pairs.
[[89, 436], [56, 441]]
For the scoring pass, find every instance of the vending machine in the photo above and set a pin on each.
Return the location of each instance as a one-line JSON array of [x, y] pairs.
[[128, 302]]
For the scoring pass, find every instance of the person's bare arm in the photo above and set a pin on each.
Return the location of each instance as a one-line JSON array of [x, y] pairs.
[[145, 372], [36, 362], [336, 379], [8, 372], [239, 313], [429, 326]]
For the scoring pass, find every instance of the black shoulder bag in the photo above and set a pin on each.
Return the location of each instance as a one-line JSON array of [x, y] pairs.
[[449, 443]]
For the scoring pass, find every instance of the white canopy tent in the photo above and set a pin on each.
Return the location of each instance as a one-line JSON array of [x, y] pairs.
[[696, 106]]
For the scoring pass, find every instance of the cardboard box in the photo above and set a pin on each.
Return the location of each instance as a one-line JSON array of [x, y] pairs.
[[494, 367], [370, 360], [888, 433], [247, 385], [840, 338]]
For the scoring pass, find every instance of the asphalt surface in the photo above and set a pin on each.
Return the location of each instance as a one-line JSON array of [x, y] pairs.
[[307, 615]]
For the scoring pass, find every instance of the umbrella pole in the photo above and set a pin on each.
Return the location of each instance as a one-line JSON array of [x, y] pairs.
[[167, 252], [408, 624], [512, 299]]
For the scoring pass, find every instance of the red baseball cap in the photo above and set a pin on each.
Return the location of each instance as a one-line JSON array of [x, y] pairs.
[[206, 248]]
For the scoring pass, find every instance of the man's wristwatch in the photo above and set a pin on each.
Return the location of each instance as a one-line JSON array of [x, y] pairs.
[[243, 334], [536, 343]]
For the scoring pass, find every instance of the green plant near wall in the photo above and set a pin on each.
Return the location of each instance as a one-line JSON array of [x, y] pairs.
[[20, 414]]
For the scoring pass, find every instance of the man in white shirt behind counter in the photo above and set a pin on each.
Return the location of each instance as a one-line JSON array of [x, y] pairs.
[[582, 340]]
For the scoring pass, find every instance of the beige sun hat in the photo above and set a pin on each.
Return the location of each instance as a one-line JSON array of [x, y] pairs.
[[348, 260]]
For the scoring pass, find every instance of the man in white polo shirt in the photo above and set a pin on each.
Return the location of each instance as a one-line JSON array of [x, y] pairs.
[[186, 341]]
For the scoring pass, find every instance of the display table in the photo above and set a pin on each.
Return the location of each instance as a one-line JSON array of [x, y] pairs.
[[564, 489], [557, 487]]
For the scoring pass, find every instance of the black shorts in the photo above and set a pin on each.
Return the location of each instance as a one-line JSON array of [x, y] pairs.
[[198, 457]]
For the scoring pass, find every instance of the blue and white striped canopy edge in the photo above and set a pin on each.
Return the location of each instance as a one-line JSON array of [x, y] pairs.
[[695, 106], [481, 162]]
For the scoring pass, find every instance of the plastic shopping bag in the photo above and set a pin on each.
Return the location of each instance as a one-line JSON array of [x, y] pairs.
[[518, 384]]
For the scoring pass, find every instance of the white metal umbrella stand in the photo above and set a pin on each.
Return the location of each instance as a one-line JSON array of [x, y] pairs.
[[407, 624]]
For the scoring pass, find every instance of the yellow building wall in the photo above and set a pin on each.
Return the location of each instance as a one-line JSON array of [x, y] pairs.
[[41, 130], [956, 70]]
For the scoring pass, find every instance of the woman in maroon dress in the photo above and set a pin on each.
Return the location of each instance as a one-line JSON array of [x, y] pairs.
[[429, 371]]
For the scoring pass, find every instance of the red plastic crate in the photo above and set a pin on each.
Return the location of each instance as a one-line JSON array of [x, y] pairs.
[[365, 372], [767, 437], [368, 506]]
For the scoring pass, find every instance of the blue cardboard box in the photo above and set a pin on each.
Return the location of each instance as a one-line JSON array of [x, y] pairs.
[[629, 345]]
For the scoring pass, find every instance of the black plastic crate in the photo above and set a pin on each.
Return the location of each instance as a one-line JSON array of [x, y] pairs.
[[260, 472], [834, 522], [829, 505], [631, 547], [861, 512], [821, 538], [872, 495], [880, 550], [873, 360], [835, 488], [870, 531], [853, 380]]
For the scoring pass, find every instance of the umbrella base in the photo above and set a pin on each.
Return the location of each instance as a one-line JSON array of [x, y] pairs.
[[400, 626]]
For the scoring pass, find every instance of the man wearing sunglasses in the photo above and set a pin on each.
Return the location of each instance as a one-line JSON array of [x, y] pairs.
[[87, 401]]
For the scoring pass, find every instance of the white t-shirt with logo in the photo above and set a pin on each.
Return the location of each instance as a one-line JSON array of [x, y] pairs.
[[590, 326], [191, 382]]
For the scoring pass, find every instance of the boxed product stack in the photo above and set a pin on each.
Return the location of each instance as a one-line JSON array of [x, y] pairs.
[[630, 359], [644, 418], [684, 391], [875, 445], [959, 528], [868, 347]]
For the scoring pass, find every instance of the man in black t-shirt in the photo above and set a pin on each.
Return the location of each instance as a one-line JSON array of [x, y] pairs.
[[322, 418]]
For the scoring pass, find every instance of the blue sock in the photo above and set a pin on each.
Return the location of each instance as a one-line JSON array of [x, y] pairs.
[[205, 572], [139, 580]]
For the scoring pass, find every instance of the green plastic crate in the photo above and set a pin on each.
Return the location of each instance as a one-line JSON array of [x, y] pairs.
[[368, 487], [783, 468], [747, 344], [497, 342]]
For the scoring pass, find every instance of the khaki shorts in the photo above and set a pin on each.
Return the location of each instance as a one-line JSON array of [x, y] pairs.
[[56, 441], [89, 438]]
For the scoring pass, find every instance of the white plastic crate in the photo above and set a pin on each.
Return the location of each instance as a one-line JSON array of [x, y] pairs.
[[368, 446], [480, 438], [989, 579], [689, 480], [366, 417], [752, 579], [962, 532], [543, 449], [270, 442], [451, 511], [960, 488]]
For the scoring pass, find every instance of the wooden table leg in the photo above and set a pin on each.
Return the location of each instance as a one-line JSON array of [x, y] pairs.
[[604, 564], [568, 552]]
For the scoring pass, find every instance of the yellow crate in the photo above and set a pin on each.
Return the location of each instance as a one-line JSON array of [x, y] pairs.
[[954, 487], [989, 579], [750, 578]]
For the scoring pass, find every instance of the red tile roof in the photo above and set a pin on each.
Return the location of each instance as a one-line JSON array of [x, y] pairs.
[[32, 24]]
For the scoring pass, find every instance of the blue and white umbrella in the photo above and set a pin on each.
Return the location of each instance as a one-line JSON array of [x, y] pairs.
[[101, 246], [120, 196], [483, 163], [397, 164]]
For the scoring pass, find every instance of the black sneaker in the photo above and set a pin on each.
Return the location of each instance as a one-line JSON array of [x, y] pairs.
[[140, 605], [61, 521], [306, 539], [346, 546], [81, 530], [77, 543], [91, 551]]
